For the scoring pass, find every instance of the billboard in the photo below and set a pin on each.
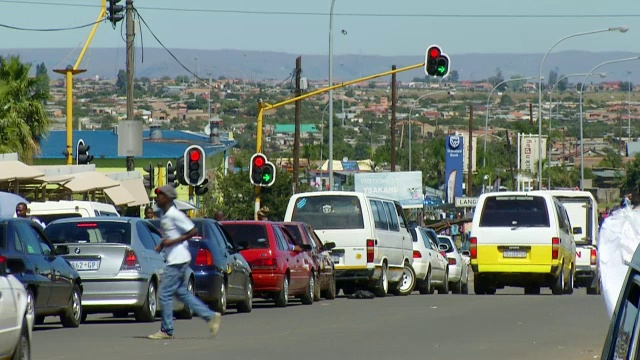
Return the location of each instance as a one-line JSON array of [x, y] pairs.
[[474, 151], [404, 186], [453, 167], [528, 152]]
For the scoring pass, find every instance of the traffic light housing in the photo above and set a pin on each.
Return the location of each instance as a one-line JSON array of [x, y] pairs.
[[180, 171], [82, 153], [436, 62], [149, 179], [114, 11], [171, 174], [194, 165], [261, 171]]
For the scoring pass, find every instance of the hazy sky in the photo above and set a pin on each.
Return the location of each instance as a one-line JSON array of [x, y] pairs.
[[209, 28]]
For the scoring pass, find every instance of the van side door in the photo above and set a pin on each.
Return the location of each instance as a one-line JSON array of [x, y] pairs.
[[567, 243], [407, 242], [394, 242], [382, 234]]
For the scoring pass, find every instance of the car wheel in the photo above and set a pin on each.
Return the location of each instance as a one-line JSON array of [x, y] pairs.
[[307, 298], [568, 289], [444, 288], [147, 313], [221, 305], [424, 286], [407, 283], [23, 348], [457, 287], [247, 305], [187, 313], [558, 286], [382, 287], [72, 316], [594, 290], [317, 290], [331, 293], [31, 303], [282, 298], [478, 285]]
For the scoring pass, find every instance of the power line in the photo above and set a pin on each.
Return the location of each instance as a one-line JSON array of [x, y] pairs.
[[49, 30], [354, 14]]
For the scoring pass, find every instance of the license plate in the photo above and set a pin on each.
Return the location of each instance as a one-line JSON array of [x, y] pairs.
[[515, 254], [86, 264]]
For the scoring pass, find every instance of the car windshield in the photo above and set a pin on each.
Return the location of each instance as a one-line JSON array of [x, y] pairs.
[[296, 234], [97, 232], [254, 234], [446, 240], [514, 211], [329, 212]]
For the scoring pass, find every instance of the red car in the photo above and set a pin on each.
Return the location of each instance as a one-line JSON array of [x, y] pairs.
[[303, 234], [280, 269]]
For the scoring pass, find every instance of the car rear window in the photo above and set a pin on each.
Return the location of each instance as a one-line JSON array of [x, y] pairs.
[[254, 234], [511, 211], [97, 232], [329, 212], [445, 240], [47, 218]]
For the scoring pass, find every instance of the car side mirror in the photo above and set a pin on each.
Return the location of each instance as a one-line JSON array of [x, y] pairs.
[[465, 253], [443, 247], [328, 246], [15, 266], [243, 245], [306, 247], [62, 250], [577, 230]]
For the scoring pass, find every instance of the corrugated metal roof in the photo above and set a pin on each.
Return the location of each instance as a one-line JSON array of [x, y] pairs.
[[291, 128]]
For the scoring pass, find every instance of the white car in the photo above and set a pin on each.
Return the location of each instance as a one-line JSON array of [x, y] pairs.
[[458, 266], [429, 263], [16, 316]]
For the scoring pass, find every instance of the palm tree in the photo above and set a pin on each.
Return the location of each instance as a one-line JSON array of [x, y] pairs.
[[23, 120]]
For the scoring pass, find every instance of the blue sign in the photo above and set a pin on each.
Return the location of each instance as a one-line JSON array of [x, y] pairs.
[[350, 166], [453, 166]]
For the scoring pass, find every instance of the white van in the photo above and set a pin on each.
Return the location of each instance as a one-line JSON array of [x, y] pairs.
[[373, 246], [522, 239], [582, 209], [49, 211]]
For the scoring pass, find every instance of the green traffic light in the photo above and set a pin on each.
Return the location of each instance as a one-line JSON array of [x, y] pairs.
[[441, 69], [266, 177]]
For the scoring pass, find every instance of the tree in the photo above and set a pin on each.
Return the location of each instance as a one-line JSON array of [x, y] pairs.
[[612, 159], [182, 79], [42, 76], [23, 120], [121, 82], [626, 86], [563, 84], [553, 78], [454, 76], [630, 182], [506, 100], [498, 78]]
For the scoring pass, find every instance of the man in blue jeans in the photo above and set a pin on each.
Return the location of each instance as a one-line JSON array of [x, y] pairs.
[[176, 229]]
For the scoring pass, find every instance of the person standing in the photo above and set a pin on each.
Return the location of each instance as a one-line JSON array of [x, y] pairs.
[[148, 213], [21, 212], [176, 229]]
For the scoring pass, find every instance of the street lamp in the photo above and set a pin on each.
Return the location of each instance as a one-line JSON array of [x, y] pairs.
[[581, 95], [629, 105], [331, 95], [622, 29], [602, 75], [486, 121], [411, 110]]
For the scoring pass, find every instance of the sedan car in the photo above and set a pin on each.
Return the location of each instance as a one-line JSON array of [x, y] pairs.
[[16, 315], [118, 263], [280, 270], [458, 266], [52, 284], [429, 263], [303, 234], [222, 275]]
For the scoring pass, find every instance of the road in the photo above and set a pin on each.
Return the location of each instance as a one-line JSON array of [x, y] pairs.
[[507, 325]]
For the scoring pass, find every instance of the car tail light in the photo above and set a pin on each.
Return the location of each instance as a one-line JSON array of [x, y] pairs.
[[473, 247], [3, 259], [594, 256], [130, 261], [370, 244], [264, 263], [417, 254], [452, 261], [204, 258], [555, 247]]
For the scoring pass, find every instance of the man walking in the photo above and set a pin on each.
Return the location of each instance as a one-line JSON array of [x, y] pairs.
[[176, 229]]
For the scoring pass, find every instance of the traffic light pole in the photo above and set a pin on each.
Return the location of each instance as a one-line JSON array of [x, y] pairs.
[[262, 106], [130, 162]]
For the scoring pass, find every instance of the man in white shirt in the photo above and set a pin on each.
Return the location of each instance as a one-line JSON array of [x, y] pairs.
[[21, 212], [176, 230]]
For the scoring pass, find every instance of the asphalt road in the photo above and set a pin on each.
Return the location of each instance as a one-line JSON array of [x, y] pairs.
[[508, 325]]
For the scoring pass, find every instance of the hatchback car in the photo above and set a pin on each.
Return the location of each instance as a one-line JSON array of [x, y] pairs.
[[53, 285], [431, 266], [16, 315], [222, 275], [279, 270], [119, 265], [458, 266]]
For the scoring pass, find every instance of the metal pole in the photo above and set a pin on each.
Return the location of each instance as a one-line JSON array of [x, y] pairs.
[[394, 100], [296, 136], [331, 95], [629, 106], [130, 162]]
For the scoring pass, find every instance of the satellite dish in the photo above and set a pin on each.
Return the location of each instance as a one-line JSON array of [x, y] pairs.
[[207, 129], [345, 159]]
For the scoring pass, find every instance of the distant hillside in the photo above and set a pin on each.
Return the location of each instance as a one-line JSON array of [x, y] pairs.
[[258, 65]]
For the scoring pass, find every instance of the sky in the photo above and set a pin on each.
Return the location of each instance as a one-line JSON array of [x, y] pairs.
[[458, 26]]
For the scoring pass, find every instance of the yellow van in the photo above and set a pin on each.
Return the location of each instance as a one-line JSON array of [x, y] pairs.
[[524, 240]]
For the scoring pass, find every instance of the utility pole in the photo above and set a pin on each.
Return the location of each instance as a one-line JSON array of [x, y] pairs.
[[393, 119], [469, 162], [131, 165], [531, 114], [296, 136], [513, 175]]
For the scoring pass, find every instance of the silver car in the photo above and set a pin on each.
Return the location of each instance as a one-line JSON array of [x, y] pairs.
[[118, 264], [458, 266]]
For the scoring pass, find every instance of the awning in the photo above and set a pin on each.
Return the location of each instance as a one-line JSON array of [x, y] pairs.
[[137, 190], [119, 196], [89, 181], [15, 170], [55, 179]]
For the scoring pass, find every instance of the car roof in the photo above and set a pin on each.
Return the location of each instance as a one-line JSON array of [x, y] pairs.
[[117, 219]]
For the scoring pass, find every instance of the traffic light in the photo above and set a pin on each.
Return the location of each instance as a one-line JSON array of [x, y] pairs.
[[180, 171], [261, 172], [202, 188], [194, 165], [149, 180], [436, 62], [114, 11], [82, 153], [171, 174]]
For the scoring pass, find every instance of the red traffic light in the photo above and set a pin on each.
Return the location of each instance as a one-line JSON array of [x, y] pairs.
[[434, 52], [194, 155], [258, 161]]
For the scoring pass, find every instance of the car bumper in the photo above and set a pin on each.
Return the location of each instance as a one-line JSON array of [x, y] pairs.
[[114, 292], [357, 275], [455, 273], [421, 268], [208, 285], [584, 275], [267, 282]]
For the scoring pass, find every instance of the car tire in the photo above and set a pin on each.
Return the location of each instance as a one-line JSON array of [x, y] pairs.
[[72, 315], [309, 294], [317, 290], [247, 305], [478, 285], [147, 313], [558, 286], [568, 288], [187, 313], [594, 290], [408, 282], [282, 297], [382, 286], [457, 287], [23, 348], [220, 306], [332, 291], [444, 288], [424, 286]]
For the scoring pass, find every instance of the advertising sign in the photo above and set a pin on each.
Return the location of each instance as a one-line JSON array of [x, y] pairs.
[[404, 186], [528, 152], [453, 164]]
